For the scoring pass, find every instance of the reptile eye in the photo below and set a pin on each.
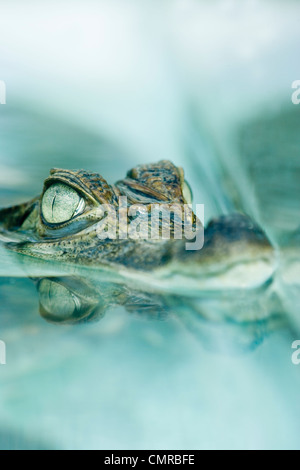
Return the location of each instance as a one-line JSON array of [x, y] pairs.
[[187, 192], [58, 301], [61, 203]]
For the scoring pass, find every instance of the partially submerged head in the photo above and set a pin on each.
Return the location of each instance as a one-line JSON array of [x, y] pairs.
[[65, 220]]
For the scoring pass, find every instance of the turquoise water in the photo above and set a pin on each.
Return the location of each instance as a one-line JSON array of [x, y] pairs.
[[92, 362], [133, 368], [136, 380]]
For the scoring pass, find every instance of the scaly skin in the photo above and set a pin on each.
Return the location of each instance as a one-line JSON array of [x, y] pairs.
[[233, 244]]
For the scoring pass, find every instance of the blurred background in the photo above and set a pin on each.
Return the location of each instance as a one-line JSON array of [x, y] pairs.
[[105, 85]]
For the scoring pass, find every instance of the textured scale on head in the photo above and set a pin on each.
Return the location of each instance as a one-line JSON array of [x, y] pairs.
[[161, 182]]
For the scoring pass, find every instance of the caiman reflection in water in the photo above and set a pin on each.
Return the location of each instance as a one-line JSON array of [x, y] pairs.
[[243, 322]]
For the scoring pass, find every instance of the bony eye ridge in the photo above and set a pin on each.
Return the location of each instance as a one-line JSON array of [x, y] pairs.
[[61, 203]]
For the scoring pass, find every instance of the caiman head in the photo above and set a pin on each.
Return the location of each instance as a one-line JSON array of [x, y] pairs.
[[65, 220], [81, 218]]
